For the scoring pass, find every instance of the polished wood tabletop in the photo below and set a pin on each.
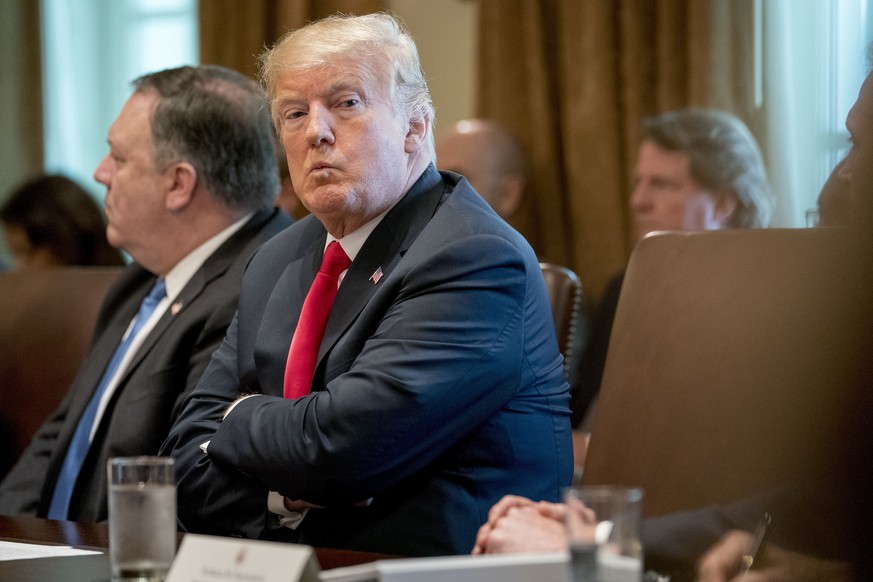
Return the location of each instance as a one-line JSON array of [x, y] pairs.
[[95, 536]]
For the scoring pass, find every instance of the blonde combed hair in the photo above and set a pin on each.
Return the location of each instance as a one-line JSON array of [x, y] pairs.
[[379, 38]]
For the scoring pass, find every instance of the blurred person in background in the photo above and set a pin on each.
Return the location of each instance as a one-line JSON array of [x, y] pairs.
[[492, 160], [833, 206], [825, 533], [845, 200], [697, 169], [50, 221]]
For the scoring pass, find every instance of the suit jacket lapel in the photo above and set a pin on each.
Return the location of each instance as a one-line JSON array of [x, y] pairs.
[[383, 249], [112, 336], [214, 266]]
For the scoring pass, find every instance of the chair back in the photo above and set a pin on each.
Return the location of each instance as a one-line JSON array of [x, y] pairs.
[[46, 321], [565, 296], [725, 366]]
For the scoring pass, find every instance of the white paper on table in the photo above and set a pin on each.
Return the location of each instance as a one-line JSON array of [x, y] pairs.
[[24, 551]]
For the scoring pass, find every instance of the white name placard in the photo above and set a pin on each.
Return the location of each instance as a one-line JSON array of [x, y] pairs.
[[219, 559], [547, 567]]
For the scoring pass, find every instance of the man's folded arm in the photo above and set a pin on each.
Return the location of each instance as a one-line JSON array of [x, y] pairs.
[[213, 498], [441, 361], [22, 487]]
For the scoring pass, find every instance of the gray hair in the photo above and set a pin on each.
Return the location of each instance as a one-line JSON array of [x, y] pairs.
[[724, 156], [379, 38], [216, 119]]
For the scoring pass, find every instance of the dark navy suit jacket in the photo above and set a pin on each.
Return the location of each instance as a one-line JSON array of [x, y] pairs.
[[439, 387], [150, 393]]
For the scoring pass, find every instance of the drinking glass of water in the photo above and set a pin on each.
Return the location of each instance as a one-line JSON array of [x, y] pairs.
[[603, 525], [142, 517]]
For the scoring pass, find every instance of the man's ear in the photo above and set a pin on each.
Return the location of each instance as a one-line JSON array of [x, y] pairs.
[[183, 182], [509, 198], [725, 206], [416, 136]]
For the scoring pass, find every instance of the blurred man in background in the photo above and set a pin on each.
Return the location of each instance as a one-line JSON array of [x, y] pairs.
[[489, 156], [697, 169]]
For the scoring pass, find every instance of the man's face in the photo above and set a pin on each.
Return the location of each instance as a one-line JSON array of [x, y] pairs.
[[666, 197], [134, 195], [346, 146]]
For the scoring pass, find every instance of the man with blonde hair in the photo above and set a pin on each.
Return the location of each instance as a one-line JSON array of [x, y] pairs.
[[388, 405]]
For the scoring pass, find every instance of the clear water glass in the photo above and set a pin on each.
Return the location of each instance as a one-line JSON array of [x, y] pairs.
[[603, 525], [142, 517]]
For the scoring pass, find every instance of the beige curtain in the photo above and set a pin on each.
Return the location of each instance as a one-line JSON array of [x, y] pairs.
[[21, 152], [234, 33], [21, 149], [574, 79]]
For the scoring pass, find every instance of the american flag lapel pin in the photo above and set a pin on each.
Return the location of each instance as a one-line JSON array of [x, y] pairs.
[[175, 308], [377, 274]]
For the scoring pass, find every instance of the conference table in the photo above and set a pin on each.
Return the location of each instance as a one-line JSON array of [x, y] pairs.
[[95, 536]]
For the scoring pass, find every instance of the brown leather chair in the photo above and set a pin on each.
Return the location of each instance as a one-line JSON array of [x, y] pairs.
[[46, 322], [726, 366], [565, 296]]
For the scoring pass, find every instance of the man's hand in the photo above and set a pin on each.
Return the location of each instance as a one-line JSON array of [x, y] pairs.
[[724, 561], [518, 524], [300, 505]]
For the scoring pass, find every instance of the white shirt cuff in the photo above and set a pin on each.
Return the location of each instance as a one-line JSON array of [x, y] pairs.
[[235, 402], [288, 518]]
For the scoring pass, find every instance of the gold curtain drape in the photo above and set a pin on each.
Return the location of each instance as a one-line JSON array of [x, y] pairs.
[[574, 79], [21, 151], [21, 154], [234, 33]]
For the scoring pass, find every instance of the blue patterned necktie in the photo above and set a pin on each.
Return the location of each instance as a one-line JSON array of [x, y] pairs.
[[82, 437]]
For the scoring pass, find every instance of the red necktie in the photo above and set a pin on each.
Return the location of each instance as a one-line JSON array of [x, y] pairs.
[[303, 354]]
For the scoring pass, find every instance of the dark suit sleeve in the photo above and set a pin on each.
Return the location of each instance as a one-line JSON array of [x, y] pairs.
[[803, 519], [221, 296], [204, 341], [211, 485], [438, 361]]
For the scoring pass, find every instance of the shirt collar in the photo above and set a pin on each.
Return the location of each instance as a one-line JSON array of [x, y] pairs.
[[353, 241], [185, 269]]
